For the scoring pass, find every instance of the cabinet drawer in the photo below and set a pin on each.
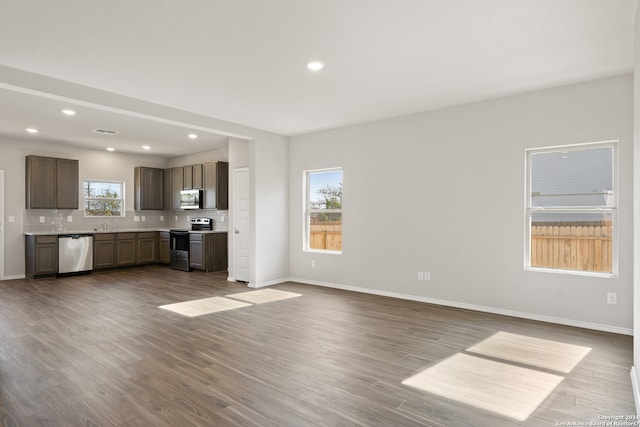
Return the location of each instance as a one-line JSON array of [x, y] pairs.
[[147, 235], [197, 237], [46, 239], [126, 236], [103, 236]]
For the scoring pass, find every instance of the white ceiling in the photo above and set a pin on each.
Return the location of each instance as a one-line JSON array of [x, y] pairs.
[[243, 61]]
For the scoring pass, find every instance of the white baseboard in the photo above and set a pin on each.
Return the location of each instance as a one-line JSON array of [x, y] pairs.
[[15, 277], [269, 283], [636, 392], [493, 310]]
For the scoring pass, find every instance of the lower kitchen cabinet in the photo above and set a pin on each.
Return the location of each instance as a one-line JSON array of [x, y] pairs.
[[41, 255], [208, 251], [126, 249], [196, 253], [164, 253], [147, 247], [104, 250]]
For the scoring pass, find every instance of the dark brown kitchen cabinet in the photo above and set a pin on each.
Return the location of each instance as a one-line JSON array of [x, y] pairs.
[[164, 254], [216, 186], [104, 250], [196, 252], [192, 177], [147, 247], [208, 251], [41, 255], [51, 183], [148, 188], [126, 249], [216, 252], [177, 178]]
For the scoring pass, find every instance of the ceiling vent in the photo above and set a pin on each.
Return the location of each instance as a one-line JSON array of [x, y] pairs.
[[104, 131]]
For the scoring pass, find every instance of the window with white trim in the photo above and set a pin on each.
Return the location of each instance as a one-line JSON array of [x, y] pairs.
[[323, 210], [571, 209], [103, 198]]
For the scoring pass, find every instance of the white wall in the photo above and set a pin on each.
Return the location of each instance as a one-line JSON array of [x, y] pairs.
[[269, 182], [443, 192], [636, 181]]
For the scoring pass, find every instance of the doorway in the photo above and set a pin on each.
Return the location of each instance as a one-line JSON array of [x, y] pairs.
[[241, 225]]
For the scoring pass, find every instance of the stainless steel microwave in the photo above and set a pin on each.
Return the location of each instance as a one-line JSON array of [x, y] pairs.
[[191, 199]]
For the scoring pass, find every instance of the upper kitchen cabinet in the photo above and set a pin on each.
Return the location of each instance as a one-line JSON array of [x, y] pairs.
[[51, 183], [149, 188], [216, 186], [177, 177], [192, 177]]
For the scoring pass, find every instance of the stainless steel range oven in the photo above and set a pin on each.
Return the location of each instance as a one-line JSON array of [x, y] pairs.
[[179, 250], [179, 243]]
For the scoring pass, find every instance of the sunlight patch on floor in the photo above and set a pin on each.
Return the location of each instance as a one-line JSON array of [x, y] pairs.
[[204, 306], [501, 388], [530, 351], [263, 295]]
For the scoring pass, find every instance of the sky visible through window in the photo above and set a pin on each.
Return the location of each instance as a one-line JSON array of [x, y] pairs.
[[318, 180]]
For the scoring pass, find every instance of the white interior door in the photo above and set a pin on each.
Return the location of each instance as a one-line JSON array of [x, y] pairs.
[[241, 229]]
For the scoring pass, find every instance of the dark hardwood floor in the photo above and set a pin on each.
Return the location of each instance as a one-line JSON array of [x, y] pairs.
[[96, 350]]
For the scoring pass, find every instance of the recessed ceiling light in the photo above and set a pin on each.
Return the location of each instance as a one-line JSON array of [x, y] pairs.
[[32, 130], [146, 147], [315, 65], [68, 112], [111, 149], [193, 136]]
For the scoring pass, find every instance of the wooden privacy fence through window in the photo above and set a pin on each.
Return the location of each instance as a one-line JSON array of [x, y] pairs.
[[326, 235], [572, 247]]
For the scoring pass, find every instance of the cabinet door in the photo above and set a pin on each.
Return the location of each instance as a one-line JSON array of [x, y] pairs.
[[222, 198], [40, 182], [67, 184], [216, 252], [148, 189], [104, 251], [126, 249], [210, 186], [46, 258], [196, 254], [147, 244], [187, 178], [197, 176], [216, 186], [176, 187], [166, 190], [164, 254]]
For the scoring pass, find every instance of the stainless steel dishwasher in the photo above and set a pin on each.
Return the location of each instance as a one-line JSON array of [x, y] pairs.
[[75, 253]]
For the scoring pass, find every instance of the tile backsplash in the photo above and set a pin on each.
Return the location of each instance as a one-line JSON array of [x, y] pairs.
[[70, 221]]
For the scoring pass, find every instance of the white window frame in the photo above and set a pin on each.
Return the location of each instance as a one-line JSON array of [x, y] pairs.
[[121, 198], [612, 210], [308, 211]]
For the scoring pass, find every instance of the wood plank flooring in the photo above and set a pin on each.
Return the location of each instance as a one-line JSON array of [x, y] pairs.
[[96, 350]]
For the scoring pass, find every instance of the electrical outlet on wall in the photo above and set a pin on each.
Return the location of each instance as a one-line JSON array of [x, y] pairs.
[[612, 298], [420, 275]]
